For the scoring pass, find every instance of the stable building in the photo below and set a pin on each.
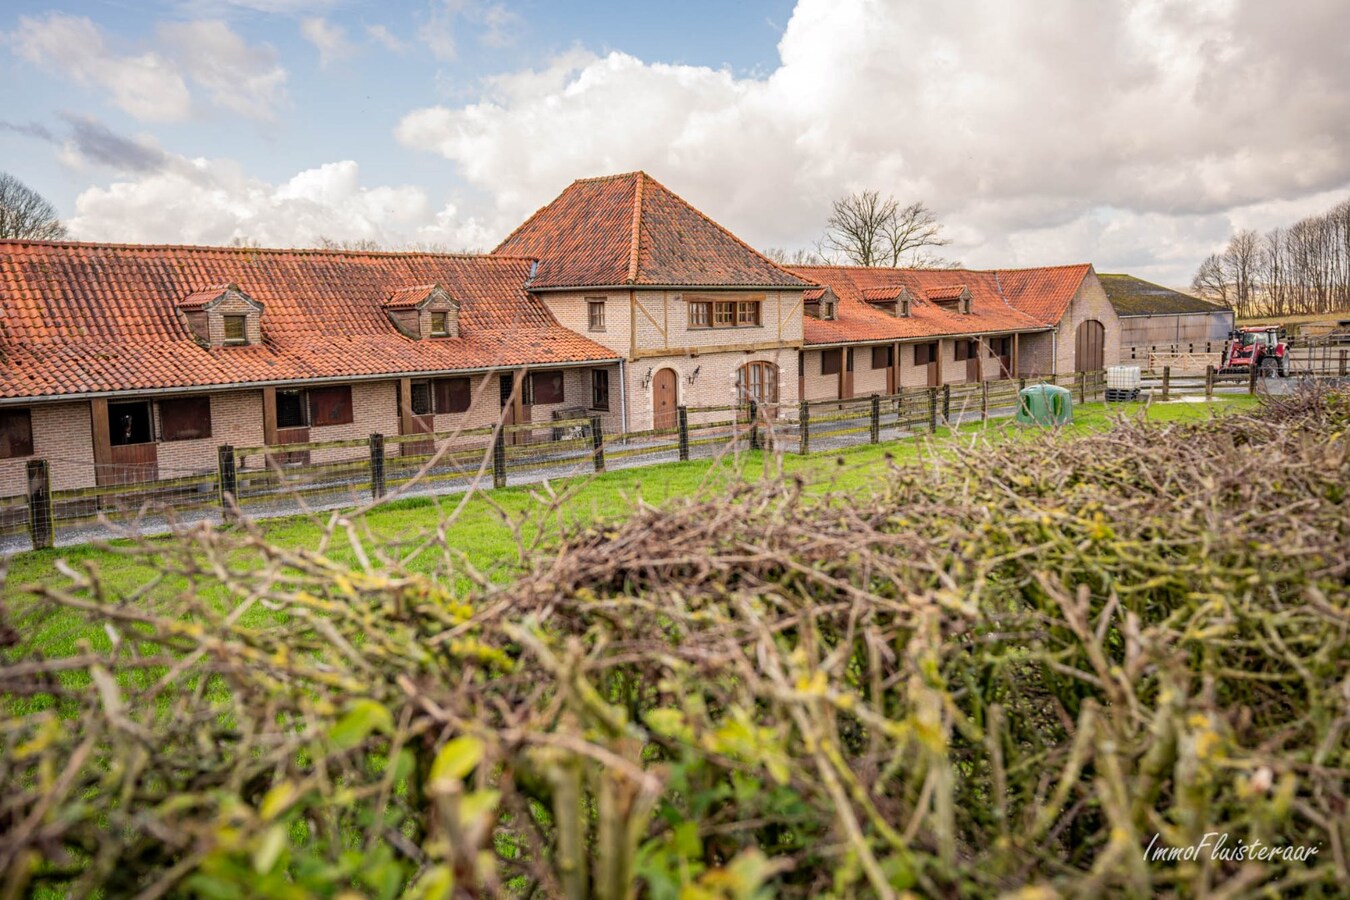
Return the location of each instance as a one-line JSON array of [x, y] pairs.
[[132, 363], [1156, 318], [877, 330]]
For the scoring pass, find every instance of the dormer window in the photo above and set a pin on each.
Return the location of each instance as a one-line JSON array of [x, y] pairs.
[[236, 329], [222, 316], [953, 298], [819, 303], [893, 300], [426, 311]]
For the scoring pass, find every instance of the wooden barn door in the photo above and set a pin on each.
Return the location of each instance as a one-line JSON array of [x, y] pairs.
[[1089, 346], [665, 397], [846, 376], [973, 362]]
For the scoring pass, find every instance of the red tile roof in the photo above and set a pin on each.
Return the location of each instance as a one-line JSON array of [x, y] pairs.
[[857, 320], [883, 294], [816, 293], [632, 230], [944, 292], [86, 318], [202, 298], [410, 297], [1043, 293]]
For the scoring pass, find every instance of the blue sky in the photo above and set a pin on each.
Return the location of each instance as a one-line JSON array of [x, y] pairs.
[[1134, 135]]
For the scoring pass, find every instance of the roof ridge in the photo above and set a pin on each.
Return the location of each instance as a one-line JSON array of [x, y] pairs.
[[719, 226], [635, 247], [228, 248]]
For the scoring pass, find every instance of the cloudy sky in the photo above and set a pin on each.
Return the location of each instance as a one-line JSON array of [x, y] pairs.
[[1133, 135]]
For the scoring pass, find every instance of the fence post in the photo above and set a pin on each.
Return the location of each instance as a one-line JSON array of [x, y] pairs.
[[377, 466], [1082, 387], [984, 401], [682, 422], [804, 417], [499, 458], [1343, 360], [1209, 382], [754, 425], [229, 478], [876, 418], [1251, 379], [932, 409], [40, 518], [947, 404], [1167, 381], [598, 443]]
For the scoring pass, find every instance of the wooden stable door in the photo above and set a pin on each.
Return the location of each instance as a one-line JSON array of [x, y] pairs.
[[1089, 346], [973, 362], [846, 376], [665, 398], [517, 406]]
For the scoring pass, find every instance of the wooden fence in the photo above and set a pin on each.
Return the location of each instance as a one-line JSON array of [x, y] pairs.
[[296, 478]]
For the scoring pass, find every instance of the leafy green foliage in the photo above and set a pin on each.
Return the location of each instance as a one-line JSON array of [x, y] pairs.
[[1001, 672]]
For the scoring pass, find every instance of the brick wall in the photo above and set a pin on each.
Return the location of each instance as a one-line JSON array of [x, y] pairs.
[[715, 384], [61, 435], [1089, 302], [236, 419], [656, 320]]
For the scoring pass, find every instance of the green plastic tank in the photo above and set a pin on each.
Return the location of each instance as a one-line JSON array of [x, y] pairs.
[[1045, 404]]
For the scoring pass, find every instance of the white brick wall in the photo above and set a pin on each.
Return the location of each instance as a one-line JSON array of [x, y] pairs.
[[62, 436], [715, 384]]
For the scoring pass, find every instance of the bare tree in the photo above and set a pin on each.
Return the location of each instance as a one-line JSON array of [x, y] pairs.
[[866, 229], [1209, 280], [1240, 268], [798, 257], [24, 213]]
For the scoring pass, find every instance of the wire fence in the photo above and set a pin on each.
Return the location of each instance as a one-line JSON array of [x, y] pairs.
[[287, 479]]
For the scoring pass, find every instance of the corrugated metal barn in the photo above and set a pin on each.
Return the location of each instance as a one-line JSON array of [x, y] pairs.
[[1153, 317]]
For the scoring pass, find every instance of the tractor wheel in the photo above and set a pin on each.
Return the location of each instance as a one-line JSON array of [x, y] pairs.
[[1284, 366], [1269, 366]]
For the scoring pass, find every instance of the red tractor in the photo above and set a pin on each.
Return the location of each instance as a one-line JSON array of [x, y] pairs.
[[1263, 346]]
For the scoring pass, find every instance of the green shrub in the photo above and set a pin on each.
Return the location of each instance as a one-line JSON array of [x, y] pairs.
[[1008, 672]]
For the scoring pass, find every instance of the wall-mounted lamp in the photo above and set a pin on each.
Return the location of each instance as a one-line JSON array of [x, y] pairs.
[[692, 376], [647, 380]]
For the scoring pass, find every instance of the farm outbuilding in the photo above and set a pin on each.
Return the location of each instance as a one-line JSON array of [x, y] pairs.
[[1153, 317]]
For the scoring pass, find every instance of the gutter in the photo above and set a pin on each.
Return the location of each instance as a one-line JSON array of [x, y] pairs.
[[924, 338], [302, 382]]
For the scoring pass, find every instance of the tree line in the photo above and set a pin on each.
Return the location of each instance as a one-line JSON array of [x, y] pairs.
[[1301, 269]]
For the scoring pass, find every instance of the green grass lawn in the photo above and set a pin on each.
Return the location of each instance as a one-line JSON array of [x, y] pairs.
[[497, 531]]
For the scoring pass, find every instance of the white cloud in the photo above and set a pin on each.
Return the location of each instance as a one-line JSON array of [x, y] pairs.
[[213, 201], [383, 36], [493, 22], [153, 85], [243, 79], [1121, 132], [329, 39], [146, 85]]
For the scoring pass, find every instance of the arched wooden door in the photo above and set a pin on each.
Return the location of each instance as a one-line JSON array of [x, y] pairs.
[[1089, 347], [665, 397]]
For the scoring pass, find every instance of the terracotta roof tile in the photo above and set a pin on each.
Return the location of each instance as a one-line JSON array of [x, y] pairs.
[[409, 297], [942, 293], [1044, 293], [857, 320], [80, 318], [631, 229]]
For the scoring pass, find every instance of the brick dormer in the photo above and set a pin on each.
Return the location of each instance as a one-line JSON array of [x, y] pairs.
[[424, 312], [955, 297], [820, 303], [222, 316], [895, 300]]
